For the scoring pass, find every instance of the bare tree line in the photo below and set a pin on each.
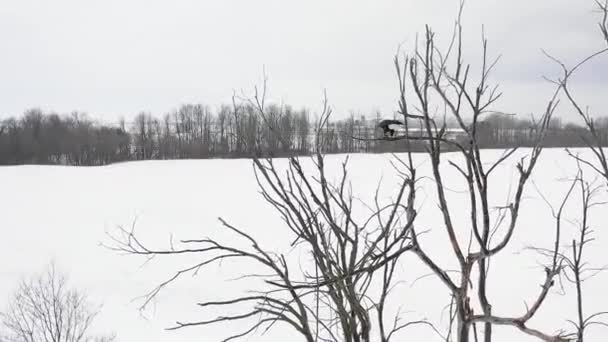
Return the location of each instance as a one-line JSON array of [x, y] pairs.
[[237, 131]]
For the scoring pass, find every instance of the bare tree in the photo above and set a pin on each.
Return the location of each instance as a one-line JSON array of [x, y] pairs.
[[577, 269], [443, 76], [571, 260], [594, 140], [46, 309], [330, 298]]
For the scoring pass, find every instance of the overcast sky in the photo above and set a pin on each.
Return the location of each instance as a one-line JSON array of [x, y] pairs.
[[115, 58]]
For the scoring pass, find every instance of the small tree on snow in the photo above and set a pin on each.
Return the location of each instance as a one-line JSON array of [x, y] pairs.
[[45, 309]]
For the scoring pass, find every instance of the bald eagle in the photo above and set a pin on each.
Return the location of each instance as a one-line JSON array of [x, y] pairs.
[[388, 127]]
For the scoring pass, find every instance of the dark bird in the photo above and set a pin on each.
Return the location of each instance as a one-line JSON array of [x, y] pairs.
[[388, 127]]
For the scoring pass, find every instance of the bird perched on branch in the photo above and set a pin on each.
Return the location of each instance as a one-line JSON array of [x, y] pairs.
[[388, 127]]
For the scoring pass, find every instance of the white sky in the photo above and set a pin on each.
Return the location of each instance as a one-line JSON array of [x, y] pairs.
[[115, 58]]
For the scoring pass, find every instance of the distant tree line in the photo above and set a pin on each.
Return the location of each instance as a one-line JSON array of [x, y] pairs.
[[499, 131], [194, 131]]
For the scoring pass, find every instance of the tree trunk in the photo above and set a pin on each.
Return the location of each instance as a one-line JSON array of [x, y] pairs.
[[463, 330]]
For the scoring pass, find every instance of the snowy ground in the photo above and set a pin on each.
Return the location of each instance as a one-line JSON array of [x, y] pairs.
[[63, 213]]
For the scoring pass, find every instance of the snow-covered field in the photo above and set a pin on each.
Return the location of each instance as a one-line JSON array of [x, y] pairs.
[[63, 213]]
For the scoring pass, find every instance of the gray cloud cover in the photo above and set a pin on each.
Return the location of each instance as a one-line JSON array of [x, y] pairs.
[[118, 57]]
